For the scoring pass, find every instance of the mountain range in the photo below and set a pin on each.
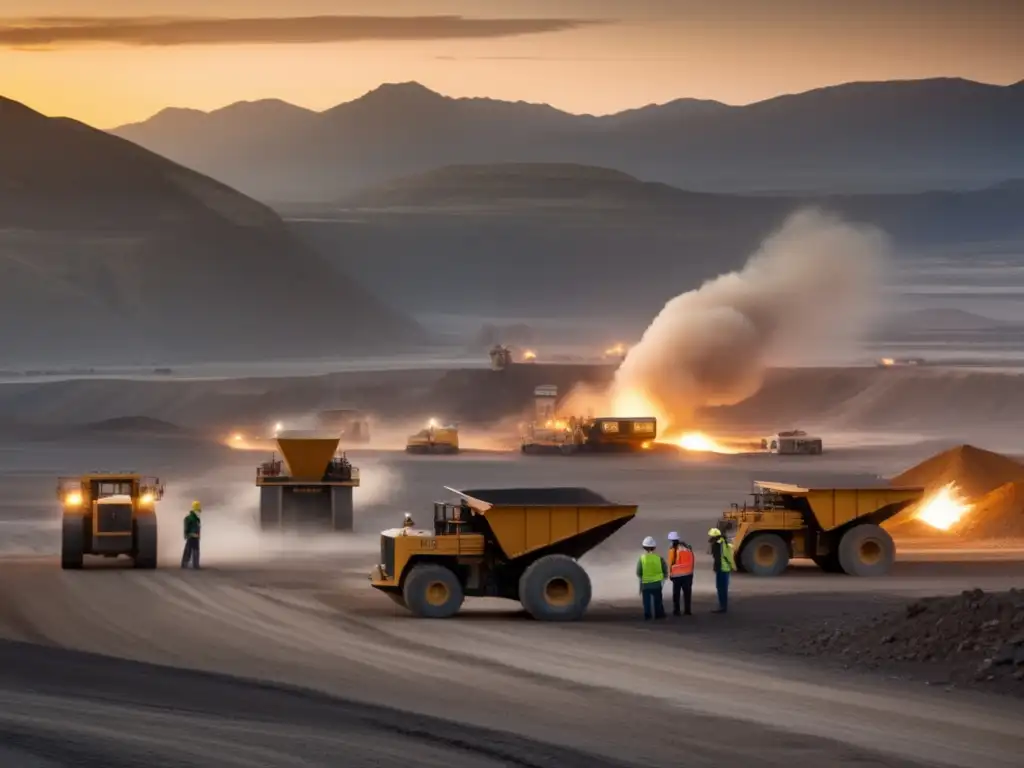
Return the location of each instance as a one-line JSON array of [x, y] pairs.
[[884, 136], [110, 253]]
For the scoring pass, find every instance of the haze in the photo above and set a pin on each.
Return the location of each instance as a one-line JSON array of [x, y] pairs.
[[585, 56]]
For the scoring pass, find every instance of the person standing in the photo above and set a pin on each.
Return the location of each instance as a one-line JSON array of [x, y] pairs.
[[680, 571], [652, 571], [193, 527], [725, 564]]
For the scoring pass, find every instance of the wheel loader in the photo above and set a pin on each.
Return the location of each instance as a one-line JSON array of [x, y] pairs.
[[838, 528], [434, 439], [109, 514], [516, 543]]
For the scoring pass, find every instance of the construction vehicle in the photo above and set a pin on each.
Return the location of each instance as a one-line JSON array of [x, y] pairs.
[[350, 423], [516, 543], [109, 514], [310, 489], [792, 443], [501, 357], [839, 528], [434, 439], [590, 435]]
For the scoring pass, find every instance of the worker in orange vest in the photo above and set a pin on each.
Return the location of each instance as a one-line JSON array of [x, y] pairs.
[[680, 571]]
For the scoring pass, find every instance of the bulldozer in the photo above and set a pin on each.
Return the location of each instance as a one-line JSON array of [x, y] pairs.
[[434, 439], [516, 543], [838, 528], [109, 514], [310, 489]]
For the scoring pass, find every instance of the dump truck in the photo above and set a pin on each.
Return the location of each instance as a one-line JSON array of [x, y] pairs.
[[109, 514], [792, 443], [434, 439], [350, 423], [591, 435], [516, 543], [839, 528], [309, 488]]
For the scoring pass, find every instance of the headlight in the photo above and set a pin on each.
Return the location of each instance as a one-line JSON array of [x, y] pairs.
[[73, 499], [147, 498]]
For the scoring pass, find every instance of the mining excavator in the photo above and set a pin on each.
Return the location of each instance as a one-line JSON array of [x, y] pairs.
[[516, 543]]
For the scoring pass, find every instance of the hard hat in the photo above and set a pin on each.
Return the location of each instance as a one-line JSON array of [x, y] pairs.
[[197, 507], [650, 543], [714, 532], [673, 536]]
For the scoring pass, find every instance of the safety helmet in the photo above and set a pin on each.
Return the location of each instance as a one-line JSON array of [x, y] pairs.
[[650, 543], [197, 507], [673, 536], [714, 533]]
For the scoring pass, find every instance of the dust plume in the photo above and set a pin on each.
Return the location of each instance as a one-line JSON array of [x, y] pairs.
[[810, 287]]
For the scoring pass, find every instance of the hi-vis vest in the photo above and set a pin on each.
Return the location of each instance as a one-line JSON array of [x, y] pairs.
[[728, 563], [650, 565], [680, 562]]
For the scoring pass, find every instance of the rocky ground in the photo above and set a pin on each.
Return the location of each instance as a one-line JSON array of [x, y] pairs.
[[975, 639]]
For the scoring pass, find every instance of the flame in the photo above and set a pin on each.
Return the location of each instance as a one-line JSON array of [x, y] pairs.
[[529, 355], [888, 361], [698, 441], [619, 350], [944, 508]]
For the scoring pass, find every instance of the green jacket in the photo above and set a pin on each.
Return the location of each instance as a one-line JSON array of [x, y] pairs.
[[192, 525]]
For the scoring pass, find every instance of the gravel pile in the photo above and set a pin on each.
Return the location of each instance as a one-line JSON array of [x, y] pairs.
[[976, 638]]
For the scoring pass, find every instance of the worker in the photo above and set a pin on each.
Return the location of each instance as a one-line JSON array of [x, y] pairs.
[[680, 571], [192, 529], [652, 571], [724, 564]]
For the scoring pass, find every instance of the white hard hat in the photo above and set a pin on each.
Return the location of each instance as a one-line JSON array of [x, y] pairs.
[[673, 536], [649, 542]]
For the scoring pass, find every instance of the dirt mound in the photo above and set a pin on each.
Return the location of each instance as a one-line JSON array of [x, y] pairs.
[[997, 515], [973, 638], [975, 471], [135, 424]]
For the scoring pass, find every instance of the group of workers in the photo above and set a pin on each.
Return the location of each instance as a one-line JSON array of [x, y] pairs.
[[653, 571]]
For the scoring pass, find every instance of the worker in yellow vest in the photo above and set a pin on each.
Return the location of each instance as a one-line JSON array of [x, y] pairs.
[[680, 571], [652, 571], [725, 564]]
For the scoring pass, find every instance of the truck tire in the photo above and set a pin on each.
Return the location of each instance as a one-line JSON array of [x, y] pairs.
[[555, 588], [432, 592], [766, 554], [72, 542], [145, 548], [866, 550]]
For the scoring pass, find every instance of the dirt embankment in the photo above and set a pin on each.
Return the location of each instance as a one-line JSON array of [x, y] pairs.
[[974, 639]]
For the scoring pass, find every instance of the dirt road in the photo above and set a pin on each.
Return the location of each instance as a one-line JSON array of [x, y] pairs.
[[610, 687]]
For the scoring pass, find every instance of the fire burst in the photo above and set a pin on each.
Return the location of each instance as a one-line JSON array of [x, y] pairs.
[[944, 508], [698, 441]]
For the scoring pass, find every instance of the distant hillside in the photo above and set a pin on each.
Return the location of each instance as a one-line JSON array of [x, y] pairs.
[[896, 136], [113, 254]]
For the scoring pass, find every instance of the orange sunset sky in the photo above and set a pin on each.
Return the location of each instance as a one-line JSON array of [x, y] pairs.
[[108, 62]]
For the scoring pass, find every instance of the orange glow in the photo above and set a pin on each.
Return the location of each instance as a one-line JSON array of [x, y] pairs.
[[944, 508], [888, 361], [702, 443], [529, 355], [619, 350]]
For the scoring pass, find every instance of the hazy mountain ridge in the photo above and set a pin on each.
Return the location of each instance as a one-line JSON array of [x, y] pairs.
[[901, 135], [109, 252]]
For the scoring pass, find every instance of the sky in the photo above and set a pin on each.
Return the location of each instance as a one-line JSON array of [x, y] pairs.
[[109, 62]]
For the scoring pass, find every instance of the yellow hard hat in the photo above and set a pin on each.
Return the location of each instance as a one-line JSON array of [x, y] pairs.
[[197, 507], [714, 532]]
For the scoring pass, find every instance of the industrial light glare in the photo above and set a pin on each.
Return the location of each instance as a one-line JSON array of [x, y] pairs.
[[73, 499], [147, 498]]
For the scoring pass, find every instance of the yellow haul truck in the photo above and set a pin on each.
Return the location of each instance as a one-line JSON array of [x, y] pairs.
[[517, 543], [838, 528], [109, 514], [434, 439]]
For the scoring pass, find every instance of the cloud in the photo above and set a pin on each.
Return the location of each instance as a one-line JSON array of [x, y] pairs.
[[61, 31]]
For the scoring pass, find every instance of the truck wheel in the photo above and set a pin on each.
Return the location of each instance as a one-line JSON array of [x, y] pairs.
[[72, 542], [766, 554], [555, 588], [433, 592], [866, 550], [144, 551]]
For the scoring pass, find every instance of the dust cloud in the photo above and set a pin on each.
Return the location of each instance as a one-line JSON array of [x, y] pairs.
[[810, 288]]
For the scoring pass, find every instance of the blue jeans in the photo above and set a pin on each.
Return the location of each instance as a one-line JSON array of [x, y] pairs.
[[722, 585], [653, 602]]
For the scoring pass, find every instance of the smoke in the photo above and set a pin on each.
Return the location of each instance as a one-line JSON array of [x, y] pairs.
[[811, 287]]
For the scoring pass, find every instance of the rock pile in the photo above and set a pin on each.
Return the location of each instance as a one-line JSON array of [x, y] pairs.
[[974, 638], [988, 481]]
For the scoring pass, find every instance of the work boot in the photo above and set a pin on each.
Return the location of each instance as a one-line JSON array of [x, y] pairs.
[[719, 610]]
